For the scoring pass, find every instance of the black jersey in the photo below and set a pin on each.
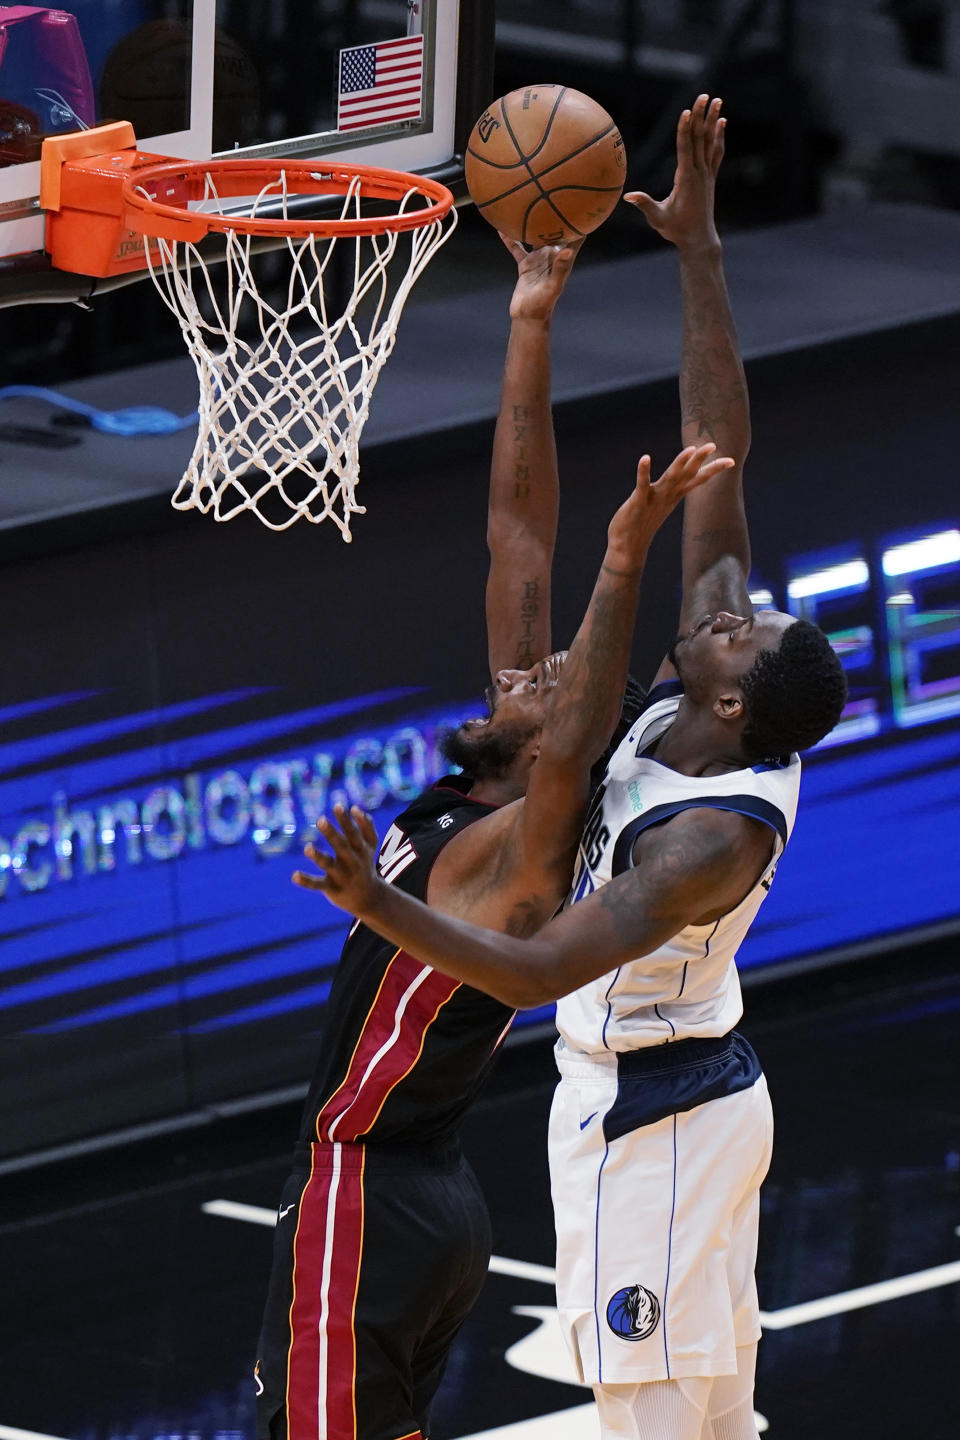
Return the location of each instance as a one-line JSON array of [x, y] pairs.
[[404, 1048]]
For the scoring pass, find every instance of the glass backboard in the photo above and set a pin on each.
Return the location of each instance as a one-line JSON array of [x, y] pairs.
[[396, 83]]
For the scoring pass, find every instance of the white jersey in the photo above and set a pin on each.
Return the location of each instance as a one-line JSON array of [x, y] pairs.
[[689, 987]]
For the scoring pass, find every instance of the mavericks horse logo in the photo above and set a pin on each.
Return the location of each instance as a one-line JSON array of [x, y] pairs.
[[633, 1313]]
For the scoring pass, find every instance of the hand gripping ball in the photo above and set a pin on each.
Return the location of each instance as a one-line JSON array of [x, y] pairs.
[[545, 164]]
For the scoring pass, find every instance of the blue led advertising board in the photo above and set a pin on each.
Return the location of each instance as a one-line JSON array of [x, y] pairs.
[[179, 708], [140, 875]]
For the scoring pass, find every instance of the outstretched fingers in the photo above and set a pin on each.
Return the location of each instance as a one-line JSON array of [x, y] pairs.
[[685, 138], [705, 129], [546, 257], [693, 467], [357, 829], [649, 208], [709, 470], [342, 874], [702, 464], [697, 130], [347, 842], [336, 838], [643, 472], [306, 879], [685, 216], [517, 250], [688, 462], [560, 263], [714, 126], [366, 827], [328, 866]]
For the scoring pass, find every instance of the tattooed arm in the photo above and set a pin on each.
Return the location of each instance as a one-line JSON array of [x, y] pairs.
[[713, 389], [585, 704], [689, 871], [524, 487], [714, 406]]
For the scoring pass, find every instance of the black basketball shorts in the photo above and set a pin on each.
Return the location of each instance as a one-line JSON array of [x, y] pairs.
[[380, 1253]]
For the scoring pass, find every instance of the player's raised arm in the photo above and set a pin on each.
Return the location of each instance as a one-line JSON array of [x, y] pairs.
[[586, 702], [713, 390], [524, 487]]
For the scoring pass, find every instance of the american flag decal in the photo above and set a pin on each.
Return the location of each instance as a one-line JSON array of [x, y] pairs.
[[380, 83]]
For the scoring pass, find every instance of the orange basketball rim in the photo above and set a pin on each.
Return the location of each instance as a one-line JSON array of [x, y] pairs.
[[286, 374]]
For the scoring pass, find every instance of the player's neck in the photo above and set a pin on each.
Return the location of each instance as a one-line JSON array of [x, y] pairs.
[[693, 745], [496, 792]]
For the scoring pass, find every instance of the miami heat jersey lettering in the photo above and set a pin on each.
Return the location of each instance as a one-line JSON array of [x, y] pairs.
[[404, 1048], [397, 854], [689, 986]]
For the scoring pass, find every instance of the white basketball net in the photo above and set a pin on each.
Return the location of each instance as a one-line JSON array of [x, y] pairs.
[[285, 391]]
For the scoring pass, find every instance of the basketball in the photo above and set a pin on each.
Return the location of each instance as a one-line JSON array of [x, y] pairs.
[[545, 164]]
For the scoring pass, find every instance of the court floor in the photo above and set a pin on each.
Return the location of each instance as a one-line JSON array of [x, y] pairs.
[[133, 1280]]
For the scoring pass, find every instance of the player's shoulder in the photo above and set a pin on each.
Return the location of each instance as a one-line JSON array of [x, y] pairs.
[[774, 789], [449, 799], [414, 849], [664, 692], [474, 874], [469, 825], [657, 711], [434, 818]]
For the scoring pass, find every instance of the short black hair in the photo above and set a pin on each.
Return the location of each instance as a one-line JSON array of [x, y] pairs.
[[794, 695], [634, 699]]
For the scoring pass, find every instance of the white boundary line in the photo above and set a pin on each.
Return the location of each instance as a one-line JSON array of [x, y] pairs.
[[859, 1299], [522, 1269], [782, 1319], [233, 1210], [7, 1432], [258, 1215]]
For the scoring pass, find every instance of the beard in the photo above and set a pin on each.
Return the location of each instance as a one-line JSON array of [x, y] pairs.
[[485, 753]]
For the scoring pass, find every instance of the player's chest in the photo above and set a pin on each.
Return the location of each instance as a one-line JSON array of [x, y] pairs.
[[613, 821]]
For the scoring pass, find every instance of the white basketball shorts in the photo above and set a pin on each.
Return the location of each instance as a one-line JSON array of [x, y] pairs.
[[657, 1224]]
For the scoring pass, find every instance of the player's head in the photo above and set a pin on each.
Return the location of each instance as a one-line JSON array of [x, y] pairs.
[[504, 743], [794, 694], [775, 679]]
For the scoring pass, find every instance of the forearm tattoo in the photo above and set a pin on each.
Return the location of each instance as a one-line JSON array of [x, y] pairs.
[[529, 615], [679, 861], [582, 701], [708, 390], [521, 465], [712, 383]]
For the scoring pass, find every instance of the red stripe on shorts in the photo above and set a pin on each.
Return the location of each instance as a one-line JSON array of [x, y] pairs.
[[347, 1250], [304, 1355], [322, 1361]]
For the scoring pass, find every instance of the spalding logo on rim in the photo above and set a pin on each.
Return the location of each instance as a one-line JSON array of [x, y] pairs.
[[633, 1313]]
